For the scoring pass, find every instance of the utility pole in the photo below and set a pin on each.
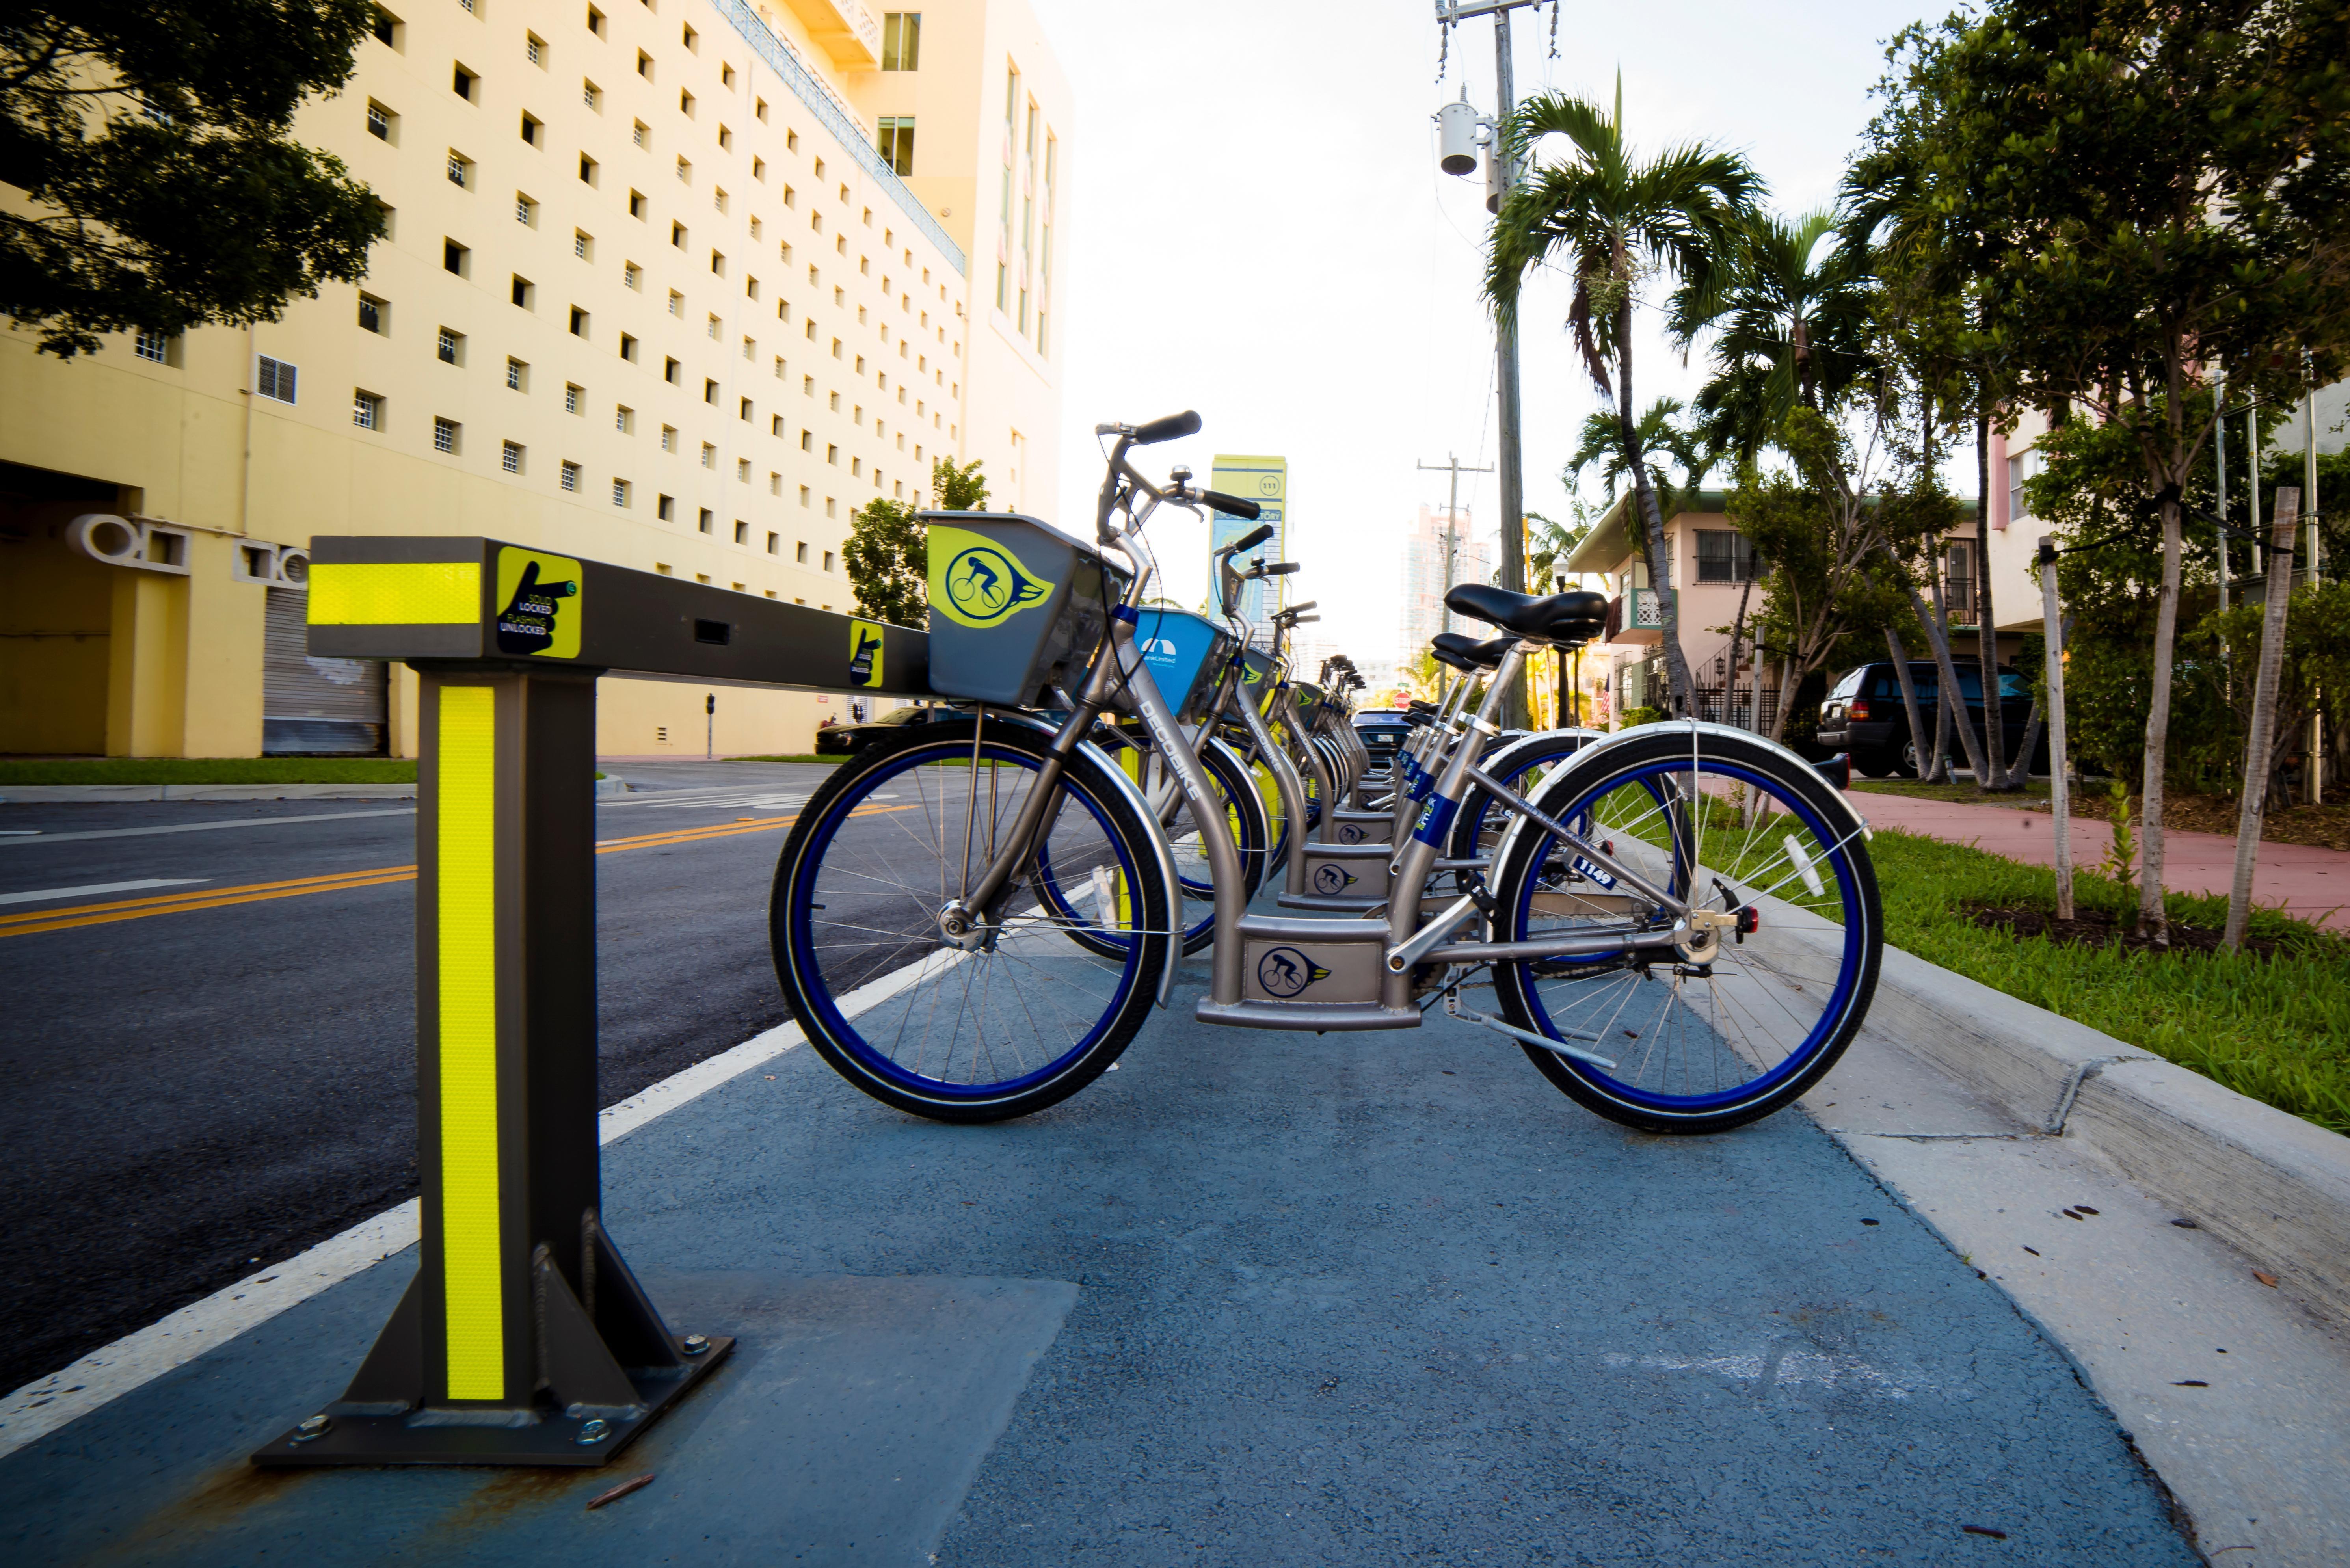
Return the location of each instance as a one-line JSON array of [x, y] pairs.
[[1451, 512], [1449, 15]]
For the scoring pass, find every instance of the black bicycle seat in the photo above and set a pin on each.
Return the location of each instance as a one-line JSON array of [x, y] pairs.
[[1570, 618], [1468, 653]]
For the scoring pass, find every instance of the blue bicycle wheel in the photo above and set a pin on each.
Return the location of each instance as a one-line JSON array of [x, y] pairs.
[[1011, 1014], [1725, 1026]]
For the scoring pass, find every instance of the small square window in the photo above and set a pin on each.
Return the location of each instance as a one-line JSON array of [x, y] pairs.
[[374, 314], [676, 303], [665, 508], [627, 347], [451, 347], [641, 134], [523, 293], [461, 170], [827, 555], [587, 169], [380, 121], [273, 378], [592, 95], [461, 83], [775, 484], [572, 395], [367, 410], [526, 211], [685, 104], [624, 420], [670, 370], [455, 258], [709, 455], [799, 551], [619, 492], [445, 433], [684, 173], [741, 470], [702, 523], [631, 276], [578, 322], [510, 458], [742, 409], [742, 532], [677, 235], [583, 244], [533, 48], [669, 438], [775, 544], [570, 480], [518, 375], [808, 439], [531, 128]]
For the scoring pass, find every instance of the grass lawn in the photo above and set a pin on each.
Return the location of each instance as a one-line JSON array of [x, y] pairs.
[[2275, 1028], [211, 771], [1964, 793]]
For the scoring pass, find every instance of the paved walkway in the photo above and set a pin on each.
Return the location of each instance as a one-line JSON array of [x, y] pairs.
[[2299, 878], [1252, 1299]]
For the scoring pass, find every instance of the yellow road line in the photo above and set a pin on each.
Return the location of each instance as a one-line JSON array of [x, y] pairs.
[[29, 924]]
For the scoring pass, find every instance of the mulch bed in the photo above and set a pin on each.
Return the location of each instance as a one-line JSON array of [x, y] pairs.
[[2102, 928]]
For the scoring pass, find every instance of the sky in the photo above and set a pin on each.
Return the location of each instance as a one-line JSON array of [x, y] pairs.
[[1258, 230]]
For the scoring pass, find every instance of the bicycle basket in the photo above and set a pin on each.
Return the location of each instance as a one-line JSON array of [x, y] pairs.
[[1016, 606], [1184, 651]]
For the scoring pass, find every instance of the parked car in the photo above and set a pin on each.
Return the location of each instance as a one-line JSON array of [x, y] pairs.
[[1381, 730], [1863, 715], [843, 739]]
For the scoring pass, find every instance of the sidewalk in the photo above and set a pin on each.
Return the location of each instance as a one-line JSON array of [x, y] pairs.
[[2304, 880]]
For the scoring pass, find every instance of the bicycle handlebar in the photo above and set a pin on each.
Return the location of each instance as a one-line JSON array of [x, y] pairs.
[[1235, 506], [1280, 568], [1168, 428], [1248, 541]]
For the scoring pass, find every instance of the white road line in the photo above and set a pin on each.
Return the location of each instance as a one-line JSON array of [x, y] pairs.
[[197, 828], [43, 1405], [86, 889]]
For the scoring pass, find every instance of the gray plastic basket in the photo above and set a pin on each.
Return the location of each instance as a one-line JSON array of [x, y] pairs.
[[1016, 606]]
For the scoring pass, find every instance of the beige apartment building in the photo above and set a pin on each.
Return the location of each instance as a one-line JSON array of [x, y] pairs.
[[677, 285]]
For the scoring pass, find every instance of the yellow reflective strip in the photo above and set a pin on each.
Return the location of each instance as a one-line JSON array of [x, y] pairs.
[[396, 593], [464, 905]]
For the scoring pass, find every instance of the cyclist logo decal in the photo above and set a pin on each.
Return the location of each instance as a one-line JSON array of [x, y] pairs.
[[1349, 833], [532, 589], [1285, 971], [1331, 880], [977, 583]]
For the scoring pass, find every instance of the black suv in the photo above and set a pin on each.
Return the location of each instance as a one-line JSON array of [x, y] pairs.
[[1382, 731], [1863, 715], [842, 739]]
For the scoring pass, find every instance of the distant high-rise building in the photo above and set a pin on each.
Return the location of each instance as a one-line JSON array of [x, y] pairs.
[[1435, 536]]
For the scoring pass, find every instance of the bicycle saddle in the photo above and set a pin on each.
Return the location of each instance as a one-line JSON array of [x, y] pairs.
[[1465, 653], [1570, 618]]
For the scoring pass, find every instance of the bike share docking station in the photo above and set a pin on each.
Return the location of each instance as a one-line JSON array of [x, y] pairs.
[[524, 1339]]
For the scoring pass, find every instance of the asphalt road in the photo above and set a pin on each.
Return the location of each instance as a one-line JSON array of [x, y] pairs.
[[190, 1092]]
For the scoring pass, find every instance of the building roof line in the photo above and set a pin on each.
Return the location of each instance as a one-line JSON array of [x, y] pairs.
[[1609, 542], [812, 90]]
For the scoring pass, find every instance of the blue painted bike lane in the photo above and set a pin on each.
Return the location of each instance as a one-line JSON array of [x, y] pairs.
[[1252, 1298]]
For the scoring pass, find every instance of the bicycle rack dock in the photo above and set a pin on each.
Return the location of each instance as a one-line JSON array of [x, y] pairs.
[[524, 1339]]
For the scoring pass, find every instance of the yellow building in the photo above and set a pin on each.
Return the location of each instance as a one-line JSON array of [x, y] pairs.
[[674, 284]]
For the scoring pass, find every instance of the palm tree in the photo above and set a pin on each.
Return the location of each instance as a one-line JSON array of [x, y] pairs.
[[1791, 326], [1612, 218]]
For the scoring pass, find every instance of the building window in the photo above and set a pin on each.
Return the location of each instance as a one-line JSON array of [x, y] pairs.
[[578, 322], [583, 244], [155, 347], [636, 204], [703, 522], [446, 432], [367, 410], [530, 129], [624, 420], [709, 391], [627, 347], [619, 492], [571, 396], [897, 138], [630, 277], [1724, 557], [275, 379], [741, 470], [669, 438], [744, 412], [642, 132], [510, 458], [372, 319], [714, 328], [676, 303], [808, 439], [592, 96], [831, 453], [570, 476], [461, 170], [533, 48], [677, 235], [742, 532], [665, 508], [827, 555], [902, 40], [451, 347], [587, 169], [709, 455], [775, 544], [684, 173], [775, 483], [526, 211], [517, 374], [2024, 465], [799, 550], [379, 120], [461, 83]]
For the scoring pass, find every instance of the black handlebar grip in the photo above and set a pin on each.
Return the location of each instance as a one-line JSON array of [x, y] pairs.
[[1280, 568], [1251, 540], [1232, 504], [1169, 429]]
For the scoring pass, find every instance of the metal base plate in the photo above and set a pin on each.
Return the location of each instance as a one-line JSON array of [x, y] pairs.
[[547, 1439]]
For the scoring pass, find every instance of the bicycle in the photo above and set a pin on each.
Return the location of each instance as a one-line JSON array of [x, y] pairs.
[[1680, 924]]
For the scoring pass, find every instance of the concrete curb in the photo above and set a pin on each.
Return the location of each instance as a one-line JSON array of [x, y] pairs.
[[2272, 1186], [21, 795]]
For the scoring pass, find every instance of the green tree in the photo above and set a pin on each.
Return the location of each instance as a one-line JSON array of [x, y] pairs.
[[2147, 189], [162, 187], [1790, 326], [888, 553], [1613, 218]]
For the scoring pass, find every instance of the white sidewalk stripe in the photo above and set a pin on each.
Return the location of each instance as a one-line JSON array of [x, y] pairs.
[[198, 827], [91, 889], [47, 1404]]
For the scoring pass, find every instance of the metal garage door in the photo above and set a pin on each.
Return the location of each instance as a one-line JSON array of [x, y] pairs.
[[331, 705]]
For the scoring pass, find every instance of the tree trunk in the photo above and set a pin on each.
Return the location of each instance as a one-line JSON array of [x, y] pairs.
[[2060, 792], [1652, 522], [1986, 623], [1941, 708], [1730, 679], [1948, 674], [1900, 657], [2253, 804], [2153, 918]]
